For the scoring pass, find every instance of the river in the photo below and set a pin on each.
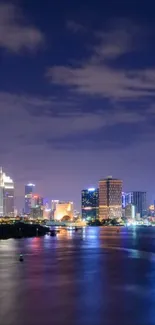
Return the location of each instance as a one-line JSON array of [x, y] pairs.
[[91, 277]]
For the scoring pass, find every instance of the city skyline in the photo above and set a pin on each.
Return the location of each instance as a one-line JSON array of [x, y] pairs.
[[86, 197], [77, 95]]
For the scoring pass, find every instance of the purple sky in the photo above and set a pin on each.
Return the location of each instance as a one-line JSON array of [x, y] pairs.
[[77, 95]]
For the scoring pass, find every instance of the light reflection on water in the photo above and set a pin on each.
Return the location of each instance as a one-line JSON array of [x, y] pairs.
[[91, 277]]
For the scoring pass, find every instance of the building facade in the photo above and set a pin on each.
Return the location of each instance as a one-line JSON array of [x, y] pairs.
[[126, 198], [6, 195], [36, 212], [53, 207], [36, 200], [29, 190], [139, 200], [37, 206], [63, 209], [90, 203], [110, 198], [130, 211]]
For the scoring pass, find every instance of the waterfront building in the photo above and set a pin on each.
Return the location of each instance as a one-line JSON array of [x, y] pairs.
[[110, 198], [126, 198], [90, 203], [139, 200], [6, 195], [29, 190], [53, 208], [130, 211], [63, 209]]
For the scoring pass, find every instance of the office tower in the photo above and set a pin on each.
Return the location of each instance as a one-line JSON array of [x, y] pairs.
[[110, 198], [36, 201], [139, 200], [53, 207], [6, 195], [54, 204], [130, 211], [1, 192], [126, 198], [90, 203], [36, 210], [64, 209], [29, 189]]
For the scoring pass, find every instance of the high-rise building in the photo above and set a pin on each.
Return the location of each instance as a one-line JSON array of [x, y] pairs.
[[53, 207], [29, 189], [90, 203], [110, 198], [6, 195], [130, 211], [139, 200], [36, 200], [64, 209], [36, 210], [126, 198]]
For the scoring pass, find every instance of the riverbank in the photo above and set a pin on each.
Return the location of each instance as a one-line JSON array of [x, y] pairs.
[[19, 230]]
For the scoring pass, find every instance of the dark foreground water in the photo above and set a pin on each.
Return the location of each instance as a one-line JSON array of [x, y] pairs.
[[93, 277]]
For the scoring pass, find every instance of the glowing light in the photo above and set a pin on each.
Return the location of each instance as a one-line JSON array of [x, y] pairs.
[[91, 189], [30, 184]]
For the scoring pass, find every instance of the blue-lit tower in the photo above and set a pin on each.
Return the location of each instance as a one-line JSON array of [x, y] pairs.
[[90, 203]]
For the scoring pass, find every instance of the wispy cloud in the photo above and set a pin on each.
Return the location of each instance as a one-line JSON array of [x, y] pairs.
[[15, 34], [32, 120], [75, 27], [97, 75]]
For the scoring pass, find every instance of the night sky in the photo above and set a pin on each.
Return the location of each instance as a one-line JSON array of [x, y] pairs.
[[77, 95]]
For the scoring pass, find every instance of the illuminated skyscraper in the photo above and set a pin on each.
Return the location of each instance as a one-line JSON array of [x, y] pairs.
[[36, 200], [6, 195], [29, 189], [139, 200], [53, 207], [110, 198], [1, 191], [36, 209], [126, 198], [89, 203]]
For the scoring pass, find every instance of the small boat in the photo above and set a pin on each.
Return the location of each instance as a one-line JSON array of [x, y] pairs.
[[21, 258]]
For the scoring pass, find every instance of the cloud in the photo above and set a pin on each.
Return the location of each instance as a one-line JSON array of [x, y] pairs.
[[96, 79], [98, 76], [75, 27], [33, 121], [15, 34]]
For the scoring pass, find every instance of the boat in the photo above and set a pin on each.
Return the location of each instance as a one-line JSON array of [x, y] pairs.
[[21, 258]]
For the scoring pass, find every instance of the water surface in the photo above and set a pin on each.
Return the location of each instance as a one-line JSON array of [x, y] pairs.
[[92, 277]]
